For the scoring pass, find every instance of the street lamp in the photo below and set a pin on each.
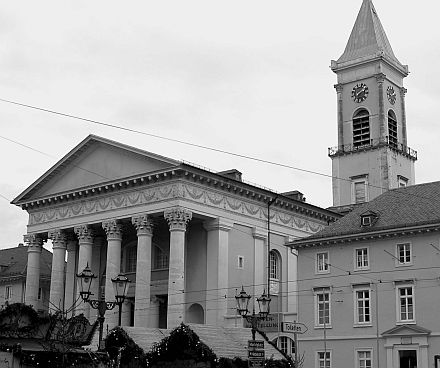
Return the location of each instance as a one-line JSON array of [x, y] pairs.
[[120, 286], [242, 308]]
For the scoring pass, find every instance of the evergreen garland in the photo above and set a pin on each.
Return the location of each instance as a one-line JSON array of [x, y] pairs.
[[118, 342]]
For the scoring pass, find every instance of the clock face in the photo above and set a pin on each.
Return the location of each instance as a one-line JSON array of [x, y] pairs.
[[391, 94], [359, 92]]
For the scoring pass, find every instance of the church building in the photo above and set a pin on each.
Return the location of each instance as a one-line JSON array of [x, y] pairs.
[[372, 155], [186, 237]]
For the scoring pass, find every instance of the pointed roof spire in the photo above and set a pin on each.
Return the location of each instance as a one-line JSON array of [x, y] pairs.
[[367, 40]]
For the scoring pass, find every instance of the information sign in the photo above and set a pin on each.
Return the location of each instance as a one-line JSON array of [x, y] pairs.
[[294, 327]]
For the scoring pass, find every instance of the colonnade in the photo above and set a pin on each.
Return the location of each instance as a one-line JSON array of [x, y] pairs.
[[63, 290]]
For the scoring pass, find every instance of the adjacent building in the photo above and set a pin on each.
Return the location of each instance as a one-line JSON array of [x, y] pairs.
[[188, 238], [369, 284], [13, 272]]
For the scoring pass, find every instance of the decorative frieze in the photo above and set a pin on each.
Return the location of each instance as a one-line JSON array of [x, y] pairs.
[[143, 224], [177, 218], [113, 229], [186, 191], [84, 233]]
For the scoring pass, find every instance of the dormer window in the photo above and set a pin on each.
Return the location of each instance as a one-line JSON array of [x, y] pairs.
[[368, 218]]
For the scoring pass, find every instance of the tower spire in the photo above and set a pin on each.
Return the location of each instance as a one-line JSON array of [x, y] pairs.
[[368, 41]]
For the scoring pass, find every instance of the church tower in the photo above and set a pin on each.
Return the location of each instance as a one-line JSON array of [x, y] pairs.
[[372, 155]]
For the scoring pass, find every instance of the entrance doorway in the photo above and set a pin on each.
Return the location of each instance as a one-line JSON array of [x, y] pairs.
[[407, 359]]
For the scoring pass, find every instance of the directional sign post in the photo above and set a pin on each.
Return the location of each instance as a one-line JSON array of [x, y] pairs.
[[295, 328], [256, 353]]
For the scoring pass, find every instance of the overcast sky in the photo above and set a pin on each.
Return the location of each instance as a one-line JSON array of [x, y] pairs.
[[250, 77]]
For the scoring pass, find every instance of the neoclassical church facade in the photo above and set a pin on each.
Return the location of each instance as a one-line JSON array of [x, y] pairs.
[[186, 237]]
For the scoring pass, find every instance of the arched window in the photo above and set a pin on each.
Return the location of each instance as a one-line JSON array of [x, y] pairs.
[[361, 128], [274, 271], [196, 314], [161, 258], [392, 128], [274, 265]]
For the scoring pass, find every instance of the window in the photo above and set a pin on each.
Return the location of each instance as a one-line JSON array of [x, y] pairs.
[[160, 258], [362, 307], [403, 256], [322, 307], [322, 263], [361, 128], [240, 262], [392, 129], [323, 359], [274, 272], [286, 345], [364, 359], [359, 187], [273, 262], [131, 259], [8, 292], [405, 304], [361, 259], [402, 181], [40, 294]]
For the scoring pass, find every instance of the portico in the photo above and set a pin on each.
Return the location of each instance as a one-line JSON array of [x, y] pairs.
[[187, 238]]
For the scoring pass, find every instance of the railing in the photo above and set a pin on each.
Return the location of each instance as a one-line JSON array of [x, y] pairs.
[[374, 143]]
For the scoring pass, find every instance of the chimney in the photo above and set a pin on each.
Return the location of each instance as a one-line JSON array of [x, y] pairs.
[[296, 195]]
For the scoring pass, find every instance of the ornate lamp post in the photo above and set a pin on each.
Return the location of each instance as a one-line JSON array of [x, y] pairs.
[[120, 285], [242, 307]]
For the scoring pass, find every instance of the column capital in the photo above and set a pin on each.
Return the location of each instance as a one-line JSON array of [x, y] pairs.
[[84, 233], [403, 91], [259, 233], [177, 218], [113, 229], [218, 224], [380, 77], [339, 87], [58, 238], [143, 224], [72, 245], [34, 242]]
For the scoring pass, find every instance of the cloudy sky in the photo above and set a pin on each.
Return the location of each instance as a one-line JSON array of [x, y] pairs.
[[249, 77]]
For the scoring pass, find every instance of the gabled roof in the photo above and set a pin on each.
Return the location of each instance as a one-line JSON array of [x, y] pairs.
[[13, 262], [71, 158], [368, 39], [406, 330], [401, 209]]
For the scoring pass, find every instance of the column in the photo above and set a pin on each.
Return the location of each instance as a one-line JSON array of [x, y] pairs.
[[35, 246], [217, 270], [402, 98], [96, 269], [70, 291], [56, 299], [339, 88], [113, 229], [144, 228], [260, 262], [85, 240], [177, 219], [383, 131]]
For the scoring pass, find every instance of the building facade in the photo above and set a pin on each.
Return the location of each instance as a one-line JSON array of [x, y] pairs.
[[369, 285], [13, 271], [187, 238], [372, 154]]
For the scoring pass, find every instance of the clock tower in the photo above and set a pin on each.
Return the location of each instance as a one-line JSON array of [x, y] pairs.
[[372, 155]]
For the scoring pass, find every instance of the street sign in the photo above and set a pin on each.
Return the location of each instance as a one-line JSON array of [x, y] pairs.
[[272, 323], [294, 327], [255, 344], [256, 354]]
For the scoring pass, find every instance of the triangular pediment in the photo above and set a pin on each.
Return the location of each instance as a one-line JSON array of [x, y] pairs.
[[94, 161], [406, 330]]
